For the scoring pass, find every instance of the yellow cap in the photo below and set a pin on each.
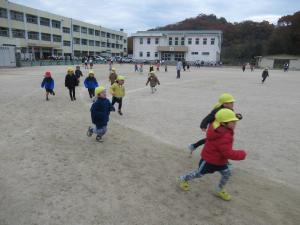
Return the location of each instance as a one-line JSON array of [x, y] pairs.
[[113, 69], [70, 69], [224, 116], [99, 90], [224, 98], [120, 77], [152, 72], [91, 72]]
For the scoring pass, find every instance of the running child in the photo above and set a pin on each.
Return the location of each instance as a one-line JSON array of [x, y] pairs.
[[216, 152], [153, 80], [117, 90], [48, 84], [225, 101], [100, 111], [71, 83], [264, 75], [78, 73], [91, 83], [112, 76]]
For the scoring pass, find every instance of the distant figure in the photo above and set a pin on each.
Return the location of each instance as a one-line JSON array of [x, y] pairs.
[[244, 67], [78, 73], [91, 63], [178, 68], [285, 67], [188, 66], [157, 66], [141, 68], [183, 65], [136, 68], [86, 63], [264, 75], [109, 65], [166, 67], [151, 68], [153, 80], [251, 67]]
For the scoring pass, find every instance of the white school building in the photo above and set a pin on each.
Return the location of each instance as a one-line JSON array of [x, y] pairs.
[[193, 45]]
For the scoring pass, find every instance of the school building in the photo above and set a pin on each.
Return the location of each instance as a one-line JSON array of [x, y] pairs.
[[39, 34], [193, 45]]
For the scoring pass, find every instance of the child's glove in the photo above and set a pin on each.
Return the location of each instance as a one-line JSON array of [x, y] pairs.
[[239, 116]]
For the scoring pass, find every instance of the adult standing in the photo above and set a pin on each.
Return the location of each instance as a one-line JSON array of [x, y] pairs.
[[178, 68]]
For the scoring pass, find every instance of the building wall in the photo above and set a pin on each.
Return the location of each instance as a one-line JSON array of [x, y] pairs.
[[194, 53], [295, 64], [121, 49]]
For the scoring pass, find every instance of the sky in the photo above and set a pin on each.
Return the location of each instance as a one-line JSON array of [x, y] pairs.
[[137, 15]]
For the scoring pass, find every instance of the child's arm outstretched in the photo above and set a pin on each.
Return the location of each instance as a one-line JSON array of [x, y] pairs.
[[229, 153]]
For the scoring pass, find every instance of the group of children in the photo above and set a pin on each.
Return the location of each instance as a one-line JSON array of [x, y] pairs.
[[219, 124]]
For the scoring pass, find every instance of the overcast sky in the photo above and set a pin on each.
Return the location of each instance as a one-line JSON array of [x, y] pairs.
[[134, 15]]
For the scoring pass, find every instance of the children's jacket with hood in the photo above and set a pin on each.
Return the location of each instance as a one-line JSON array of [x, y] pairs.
[[90, 83], [218, 146], [48, 83]]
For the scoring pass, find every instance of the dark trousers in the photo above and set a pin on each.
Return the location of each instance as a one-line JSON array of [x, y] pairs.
[[263, 80], [91, 92], [118, 100], [72, 93], [199, 143], [178, 73]]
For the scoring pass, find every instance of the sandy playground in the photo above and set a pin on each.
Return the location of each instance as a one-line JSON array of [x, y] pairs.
[[51, 173]]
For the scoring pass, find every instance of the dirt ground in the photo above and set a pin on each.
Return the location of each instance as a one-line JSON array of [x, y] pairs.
[[51, 173]]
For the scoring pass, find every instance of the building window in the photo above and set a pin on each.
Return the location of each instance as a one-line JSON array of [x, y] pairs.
[[117, 46], [55, 24], [91, 43], [83, 30], [204, 41], [212, 41], [97, 43], [121, 46], [141, 54], [182, 41], [121, 37], [112, 45], [170, 41], [4, 32], [91, 31], [189, 41], [148, 41], [197, 41], [18, 33], [14, 15], [108, 35], [156, 41], [176, 41], [108, 45], [83, 41], [156, 54], [205, 53], [76, 41], [179, 56], [67, 43], [33, 35], [103, 34], [3, 13], [44, 21], [76, 28], [56, 38], [194, 53], [46, 37], [97, 32], [148, 54], [141, 41], [113, 36], [31, 19], [66, 30]]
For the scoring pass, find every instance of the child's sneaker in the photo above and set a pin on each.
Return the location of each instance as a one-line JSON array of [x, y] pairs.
[[120, 112], [223, 195], [191, 148], [89, 132], [184, 185], [99, 138]]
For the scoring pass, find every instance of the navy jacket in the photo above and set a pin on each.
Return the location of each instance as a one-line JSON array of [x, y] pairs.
[[48, 83], [78, 73], [71, 81], [90, 83], [100, 111]]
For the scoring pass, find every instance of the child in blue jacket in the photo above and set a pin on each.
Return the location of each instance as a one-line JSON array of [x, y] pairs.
[[48, 84], [100, 111], [91, 83]]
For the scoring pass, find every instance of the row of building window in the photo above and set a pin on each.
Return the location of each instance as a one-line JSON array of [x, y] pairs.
[[197, 53], [148, 54], [19, 16], [78, 41], [182, 41]]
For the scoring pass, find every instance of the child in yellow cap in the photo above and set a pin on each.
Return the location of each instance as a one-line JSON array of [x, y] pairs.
[[91, 83], [113, 76], [118, 92], [100, 111], [71, 82], [216, 152], [153, 80], [226, 100]]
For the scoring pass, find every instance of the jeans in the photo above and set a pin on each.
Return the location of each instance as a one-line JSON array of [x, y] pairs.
[[100, 131]]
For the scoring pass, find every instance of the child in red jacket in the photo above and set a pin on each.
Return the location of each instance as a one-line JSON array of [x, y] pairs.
[[216, 152]]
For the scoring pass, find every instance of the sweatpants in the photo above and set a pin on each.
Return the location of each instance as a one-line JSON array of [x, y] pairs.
[[72, 93], [118, 100], [178, 74], [204, 168], [91, 92]]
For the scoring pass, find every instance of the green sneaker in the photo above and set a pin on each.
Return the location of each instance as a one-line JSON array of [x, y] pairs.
[[184, 185], [223, 195]]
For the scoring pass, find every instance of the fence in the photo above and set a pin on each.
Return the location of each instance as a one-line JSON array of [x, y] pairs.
[[26, 63]]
